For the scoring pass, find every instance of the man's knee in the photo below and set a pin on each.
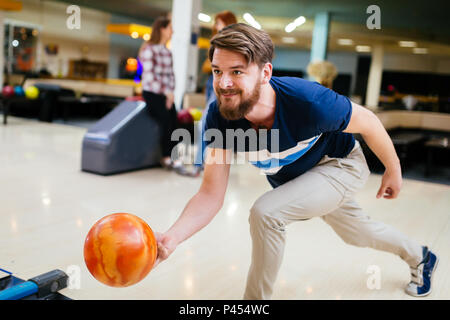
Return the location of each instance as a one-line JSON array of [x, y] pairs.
[[257, 212], [261, 214]]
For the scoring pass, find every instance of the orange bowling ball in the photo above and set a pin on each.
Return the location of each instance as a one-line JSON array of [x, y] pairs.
[[120, 250]]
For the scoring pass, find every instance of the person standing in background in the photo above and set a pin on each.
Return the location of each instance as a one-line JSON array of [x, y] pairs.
[[221, 20], [158, 85], [324, 72]]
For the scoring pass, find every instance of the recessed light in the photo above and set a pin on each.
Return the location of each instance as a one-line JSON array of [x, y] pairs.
[[204, 17], [296, 23], [299, 21], [290, 27], [251, 21], [345, 42], [420, 50], [289, 40], [363, 48], [407, 44]]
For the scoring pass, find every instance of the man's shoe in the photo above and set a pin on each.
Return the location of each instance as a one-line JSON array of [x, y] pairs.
[[421, 276]]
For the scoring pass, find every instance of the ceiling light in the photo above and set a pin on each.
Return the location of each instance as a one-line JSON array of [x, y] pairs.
[[251, 21], [407, 44], [290, 27], [204, 17], [296, 23], [363, 48], [15, 43], [299, 21], [135, 35], [345, 42], [420, 50], [146, 36]]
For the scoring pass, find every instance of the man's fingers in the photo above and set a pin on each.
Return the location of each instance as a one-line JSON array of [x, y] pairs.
[[162, 251], [391, 193], [160, 256], [381, 192], [387, 193]]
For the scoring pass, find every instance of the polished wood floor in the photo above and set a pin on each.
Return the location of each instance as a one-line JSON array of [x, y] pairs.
[[47, 206]]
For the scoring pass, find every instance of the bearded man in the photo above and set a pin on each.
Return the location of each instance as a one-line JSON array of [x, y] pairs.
[[315, 168]]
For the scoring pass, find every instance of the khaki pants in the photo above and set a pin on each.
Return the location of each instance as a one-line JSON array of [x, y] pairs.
[[325, 191]]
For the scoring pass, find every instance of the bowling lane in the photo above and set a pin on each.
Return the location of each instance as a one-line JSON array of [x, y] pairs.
[[48, 206]]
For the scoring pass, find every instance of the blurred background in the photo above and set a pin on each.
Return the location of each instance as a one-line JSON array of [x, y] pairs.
[[77, 140], [82, 56]]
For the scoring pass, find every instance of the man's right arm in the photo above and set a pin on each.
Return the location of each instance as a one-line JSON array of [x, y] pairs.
[[202, 207]]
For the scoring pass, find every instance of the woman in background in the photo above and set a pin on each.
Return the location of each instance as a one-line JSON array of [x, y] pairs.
[[158, 85]]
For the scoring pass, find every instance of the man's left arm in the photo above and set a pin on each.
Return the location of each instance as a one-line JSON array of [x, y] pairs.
[[366, 123]]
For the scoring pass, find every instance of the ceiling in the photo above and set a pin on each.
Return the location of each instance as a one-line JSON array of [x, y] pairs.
[[425, 22]]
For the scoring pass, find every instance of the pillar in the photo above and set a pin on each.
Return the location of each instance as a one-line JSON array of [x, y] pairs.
[[375, 76], [319, 45], [186, 29]]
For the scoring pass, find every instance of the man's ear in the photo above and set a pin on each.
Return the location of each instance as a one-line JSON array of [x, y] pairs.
[[266, 73]]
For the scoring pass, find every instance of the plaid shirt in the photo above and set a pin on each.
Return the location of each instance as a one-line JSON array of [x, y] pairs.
[[157, 70]]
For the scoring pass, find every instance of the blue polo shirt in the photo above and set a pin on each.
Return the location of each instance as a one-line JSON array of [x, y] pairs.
[[309, 120]]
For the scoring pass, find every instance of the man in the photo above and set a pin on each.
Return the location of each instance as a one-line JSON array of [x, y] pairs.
[[315, 168]]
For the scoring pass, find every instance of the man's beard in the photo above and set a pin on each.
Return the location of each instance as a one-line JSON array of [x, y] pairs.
[[243, 108]]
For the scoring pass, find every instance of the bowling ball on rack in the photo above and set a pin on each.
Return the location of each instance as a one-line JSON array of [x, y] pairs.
[[18, 91], [185, 117], [120, 250], [8, 91], [195, 113], [32, 92]]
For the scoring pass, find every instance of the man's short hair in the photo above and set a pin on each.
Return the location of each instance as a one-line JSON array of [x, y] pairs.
[[254, 44]]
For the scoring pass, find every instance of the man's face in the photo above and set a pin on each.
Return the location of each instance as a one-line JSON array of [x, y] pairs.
[[236, 83]]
